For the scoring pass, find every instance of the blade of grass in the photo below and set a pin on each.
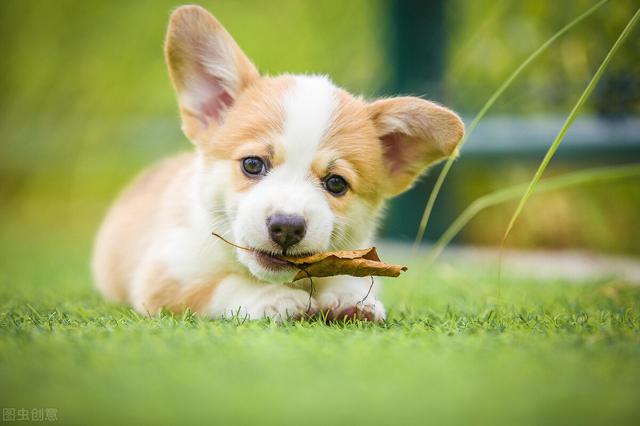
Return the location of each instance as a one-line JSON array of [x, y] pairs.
[[569, 121], [445, 170], [583, 177]]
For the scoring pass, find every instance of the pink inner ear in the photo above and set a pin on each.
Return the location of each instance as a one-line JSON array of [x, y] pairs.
[[394, 151], [206, 95], [216, 102]]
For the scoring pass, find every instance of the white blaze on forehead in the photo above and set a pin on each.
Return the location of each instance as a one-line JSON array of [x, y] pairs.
[[308, 107]]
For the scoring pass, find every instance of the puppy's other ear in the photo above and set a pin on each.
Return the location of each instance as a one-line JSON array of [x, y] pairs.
[[414, 134], [207, 68]]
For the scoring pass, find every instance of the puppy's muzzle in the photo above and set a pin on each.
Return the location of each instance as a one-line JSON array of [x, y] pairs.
[[286, 230]]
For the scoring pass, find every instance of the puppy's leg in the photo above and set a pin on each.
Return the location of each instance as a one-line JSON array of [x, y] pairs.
[[237, 295], [229, 295], [155, 288], [349, 297]]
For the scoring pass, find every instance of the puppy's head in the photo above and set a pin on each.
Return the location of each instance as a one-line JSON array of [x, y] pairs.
[[293, 164]]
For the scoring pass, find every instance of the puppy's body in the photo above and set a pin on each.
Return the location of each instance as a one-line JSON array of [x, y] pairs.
[[290, 164]]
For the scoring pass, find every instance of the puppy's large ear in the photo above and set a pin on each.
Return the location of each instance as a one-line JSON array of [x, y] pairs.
[[207, 68], [414, 134]]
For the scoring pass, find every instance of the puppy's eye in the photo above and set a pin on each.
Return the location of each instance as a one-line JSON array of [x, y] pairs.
[[253, 166], [336, 185]]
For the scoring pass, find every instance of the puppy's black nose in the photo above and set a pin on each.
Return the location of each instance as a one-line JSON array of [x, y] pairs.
[[286, 230]]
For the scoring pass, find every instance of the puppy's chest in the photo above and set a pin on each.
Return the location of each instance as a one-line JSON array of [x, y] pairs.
[[191, 255]]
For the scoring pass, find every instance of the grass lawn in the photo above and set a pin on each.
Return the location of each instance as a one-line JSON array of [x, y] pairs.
[[458, 347]]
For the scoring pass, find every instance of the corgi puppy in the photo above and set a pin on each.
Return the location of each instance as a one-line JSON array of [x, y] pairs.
[[284, 165]]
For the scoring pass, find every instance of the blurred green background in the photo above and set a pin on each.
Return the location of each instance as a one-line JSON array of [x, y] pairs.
[[85, 101]]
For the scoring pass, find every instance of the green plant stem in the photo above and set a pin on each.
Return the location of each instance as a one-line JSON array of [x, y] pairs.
[[583, 177], [443, 174], [569, 121]]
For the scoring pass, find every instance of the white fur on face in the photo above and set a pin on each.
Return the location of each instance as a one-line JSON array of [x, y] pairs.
[[290, 188]]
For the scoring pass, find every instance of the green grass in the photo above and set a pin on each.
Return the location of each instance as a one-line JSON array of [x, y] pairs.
[[582, 177], [569, 121], [456, 349]]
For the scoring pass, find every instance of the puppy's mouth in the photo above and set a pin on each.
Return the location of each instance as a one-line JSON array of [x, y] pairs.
[[268, 260], [275, 262]]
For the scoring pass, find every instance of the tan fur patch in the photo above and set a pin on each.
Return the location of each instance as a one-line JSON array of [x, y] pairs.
[[257, 116], [251, 128], [352, 150]]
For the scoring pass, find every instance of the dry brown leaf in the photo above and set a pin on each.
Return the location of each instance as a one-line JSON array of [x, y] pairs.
[[358, 263]]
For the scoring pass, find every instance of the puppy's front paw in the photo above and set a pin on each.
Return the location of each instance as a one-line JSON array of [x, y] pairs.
[[284, 304], [340, 306]]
